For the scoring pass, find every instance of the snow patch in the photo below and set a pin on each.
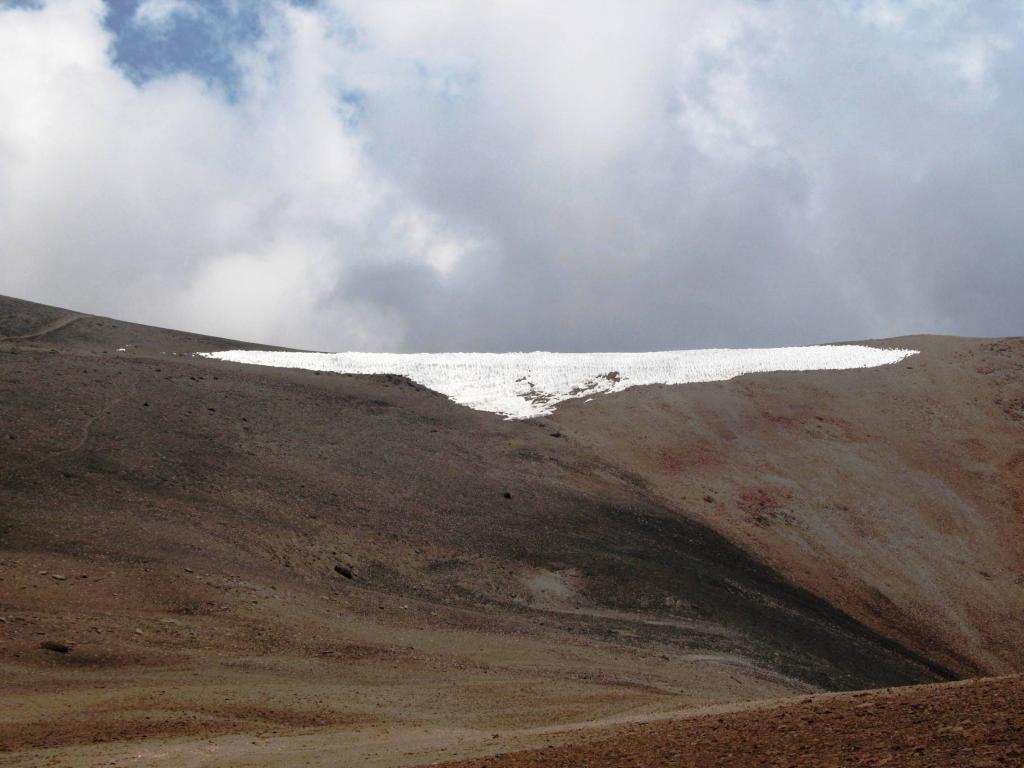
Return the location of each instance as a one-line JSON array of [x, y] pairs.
[[522, 385]]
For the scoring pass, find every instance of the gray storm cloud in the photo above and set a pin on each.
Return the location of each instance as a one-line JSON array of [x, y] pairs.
[[518, 176]]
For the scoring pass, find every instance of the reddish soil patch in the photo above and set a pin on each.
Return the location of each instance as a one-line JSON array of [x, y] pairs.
[[980, 723]]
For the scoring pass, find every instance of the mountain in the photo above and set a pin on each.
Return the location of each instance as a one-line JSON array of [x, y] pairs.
[[895, 493], [225, 560]]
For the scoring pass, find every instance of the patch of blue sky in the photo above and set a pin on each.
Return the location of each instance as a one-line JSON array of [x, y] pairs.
[[157, 38]]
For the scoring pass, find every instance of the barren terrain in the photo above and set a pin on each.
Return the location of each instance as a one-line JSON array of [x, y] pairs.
[[205, 563], [973, 723], [897, 493]]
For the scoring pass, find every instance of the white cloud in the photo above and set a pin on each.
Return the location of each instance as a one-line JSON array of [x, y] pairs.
[[460, 174], [972, 60], [167, 204], [160, 12]]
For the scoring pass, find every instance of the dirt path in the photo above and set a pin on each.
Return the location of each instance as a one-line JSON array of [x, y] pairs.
[[56, 325], [87, 426], [972, 723], [394, 745]]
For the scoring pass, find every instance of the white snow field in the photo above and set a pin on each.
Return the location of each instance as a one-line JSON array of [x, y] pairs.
[[522, 385]]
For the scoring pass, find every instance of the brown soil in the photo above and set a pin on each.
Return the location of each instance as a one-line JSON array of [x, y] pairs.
[[897, 493], [976, 723], [177, 524]]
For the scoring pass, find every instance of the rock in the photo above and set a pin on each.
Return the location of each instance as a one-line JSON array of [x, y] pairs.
[[58, 577], [507, 495], [709, 499], [344, 570], [55, 647]]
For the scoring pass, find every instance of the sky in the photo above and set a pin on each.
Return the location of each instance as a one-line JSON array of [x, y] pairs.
[[513, 176]]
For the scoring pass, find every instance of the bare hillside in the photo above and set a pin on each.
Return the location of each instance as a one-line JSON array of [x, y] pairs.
[[896, 493], [197, 552]]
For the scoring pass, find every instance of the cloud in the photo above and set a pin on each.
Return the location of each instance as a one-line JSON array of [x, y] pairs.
[[160, 12], [169, 204], [497, 176]]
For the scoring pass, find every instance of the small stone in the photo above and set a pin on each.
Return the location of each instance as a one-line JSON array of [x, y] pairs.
[[507, 495], [58, 577], [344, 570], [138, 631], [55, 647]]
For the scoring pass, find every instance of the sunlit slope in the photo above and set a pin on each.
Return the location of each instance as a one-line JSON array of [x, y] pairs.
[[897, 492]]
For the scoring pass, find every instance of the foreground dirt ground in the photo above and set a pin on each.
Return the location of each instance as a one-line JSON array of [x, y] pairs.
[[362, 691], [974, 723]]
